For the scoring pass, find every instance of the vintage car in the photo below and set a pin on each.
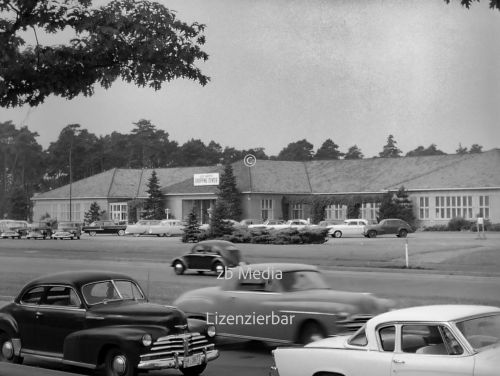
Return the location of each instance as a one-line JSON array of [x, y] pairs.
[[41, 230], [11, 228], [105, 227], [429, 340], [101, 320], [68, 230], [394, 226], [269, 223], [292, 223], [282, 303], [167, 227], [141, 227], [208, 256], [350, 227]]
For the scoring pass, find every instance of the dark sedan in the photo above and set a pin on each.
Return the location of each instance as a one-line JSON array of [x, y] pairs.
[[105, 227], [395, 226], [101, 320]]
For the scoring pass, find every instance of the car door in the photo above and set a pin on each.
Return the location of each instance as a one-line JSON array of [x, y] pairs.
[[25, 316], [196, 259], [389, 226]]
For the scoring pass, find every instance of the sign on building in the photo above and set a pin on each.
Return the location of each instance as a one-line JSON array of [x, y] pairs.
[[206, 179]]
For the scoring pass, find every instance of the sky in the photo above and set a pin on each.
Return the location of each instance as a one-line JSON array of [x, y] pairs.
[[286, 70]]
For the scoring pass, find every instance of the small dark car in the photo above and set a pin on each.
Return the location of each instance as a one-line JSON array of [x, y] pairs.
[[395, 226], [101, 320], [105, 227], [209, 256], [68, 230]]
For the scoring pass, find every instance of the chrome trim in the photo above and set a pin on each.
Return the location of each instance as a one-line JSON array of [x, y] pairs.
[[16, 344], [174, 362], [229, 335], [79, 364]]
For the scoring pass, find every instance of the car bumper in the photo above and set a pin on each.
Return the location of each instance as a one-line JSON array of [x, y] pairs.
[[177, 361]]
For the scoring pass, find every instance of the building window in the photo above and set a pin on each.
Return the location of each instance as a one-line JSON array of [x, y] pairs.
[[484, 206], [424, 208], [369, 210], [448, 207], [266, 209], [118, 211], [335, 211], [297, 212]]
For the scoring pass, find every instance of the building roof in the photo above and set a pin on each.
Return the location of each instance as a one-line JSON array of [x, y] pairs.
[[373, 175]]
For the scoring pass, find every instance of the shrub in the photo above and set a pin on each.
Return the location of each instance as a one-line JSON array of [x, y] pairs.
[[285, 236], [459, 224]]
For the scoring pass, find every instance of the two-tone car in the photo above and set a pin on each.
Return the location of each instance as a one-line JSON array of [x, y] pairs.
[[101, 320], [105, 227], [168, 227], [279, 303], [350, 227], [141, 227], [453, 340]]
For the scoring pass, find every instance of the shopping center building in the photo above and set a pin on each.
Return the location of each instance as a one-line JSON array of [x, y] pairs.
[[441, 187]]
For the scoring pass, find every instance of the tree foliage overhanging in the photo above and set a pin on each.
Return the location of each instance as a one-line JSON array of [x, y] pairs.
[[141, 42]]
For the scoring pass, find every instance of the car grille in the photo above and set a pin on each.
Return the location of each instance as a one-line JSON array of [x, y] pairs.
[[178, 345], [354, 322]]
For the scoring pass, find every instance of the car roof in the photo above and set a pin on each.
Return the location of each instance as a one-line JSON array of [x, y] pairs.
[[433, 313], [77, 278], [217, 243], [283, 267]]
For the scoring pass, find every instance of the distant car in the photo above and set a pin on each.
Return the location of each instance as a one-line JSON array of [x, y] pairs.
[[232, 222], [167, 227], [248, 222], [269, 223], [292, 223], [454, 340], [11, 228], [208, 256], [41, 230], [397, 227], [283, 303], [350, 227], [101, 321], [68, 230], [105, 227], [141, 227], [330, 222]]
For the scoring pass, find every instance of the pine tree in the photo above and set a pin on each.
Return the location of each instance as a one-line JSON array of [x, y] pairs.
[[218, 225], [192, 228], [153, 207], [93, 214], [397, 205], [390, 149], [229, 195]]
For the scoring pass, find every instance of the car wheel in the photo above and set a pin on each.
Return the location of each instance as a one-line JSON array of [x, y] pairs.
[[193, 371], [337, 234], [372, 233], [179, 268], [402, 233], [121, 232], [7, 350], [92, 233], [218, 268], [117, 363], [310, 332]]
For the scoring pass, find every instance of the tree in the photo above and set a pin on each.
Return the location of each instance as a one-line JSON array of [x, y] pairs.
[[138, 41], [192, 153], [354, 153], [494, 4], [93, 214], [297, 151], [421, 151], [153, 206], [218, 224], [461, 149], [192, 228], [397, 205], [390, 149], [475, 148], [328, 150], [229, 195]]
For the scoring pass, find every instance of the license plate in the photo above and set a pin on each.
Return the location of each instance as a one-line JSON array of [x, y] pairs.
[[193, 360]]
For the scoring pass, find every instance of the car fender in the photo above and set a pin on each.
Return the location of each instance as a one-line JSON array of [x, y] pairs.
[[88, 346], [220, 260], [181, 260], [9, 325]]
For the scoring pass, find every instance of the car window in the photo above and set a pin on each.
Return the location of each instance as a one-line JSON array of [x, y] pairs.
[[481, 331], [353, 223], [251, 284], [33, 295], [99, 292], [61, 296], [129, 290], [387, 337], [359, 339], [415, 337], [302, 280]]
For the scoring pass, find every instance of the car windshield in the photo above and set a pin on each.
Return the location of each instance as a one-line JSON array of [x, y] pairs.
[[481, 331], [303, 280], [112, 290]]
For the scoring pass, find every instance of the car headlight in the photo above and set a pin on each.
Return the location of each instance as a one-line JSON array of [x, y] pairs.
[[211, 331], [342, 315], [147, 340]]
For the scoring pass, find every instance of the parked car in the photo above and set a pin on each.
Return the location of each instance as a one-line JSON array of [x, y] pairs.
[[292, 223], [101, 320], [141, 227], [397, 227], [350, 227], [431, 340], [330, 222], [41, 230], [11, 228], [208, 256], [232, 222], [167, 227], [249, 221], [68, 230], [269, 223], [105, 227], [283, 303]]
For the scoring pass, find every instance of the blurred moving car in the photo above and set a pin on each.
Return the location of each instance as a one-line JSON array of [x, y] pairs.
[[208, 256], [11, 228], [41, 230], [395, 226], [141, 227], [101, 320], [429, 340], [68, 230], [281, 302], [167, 227], [350, 227], [105, 227]]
